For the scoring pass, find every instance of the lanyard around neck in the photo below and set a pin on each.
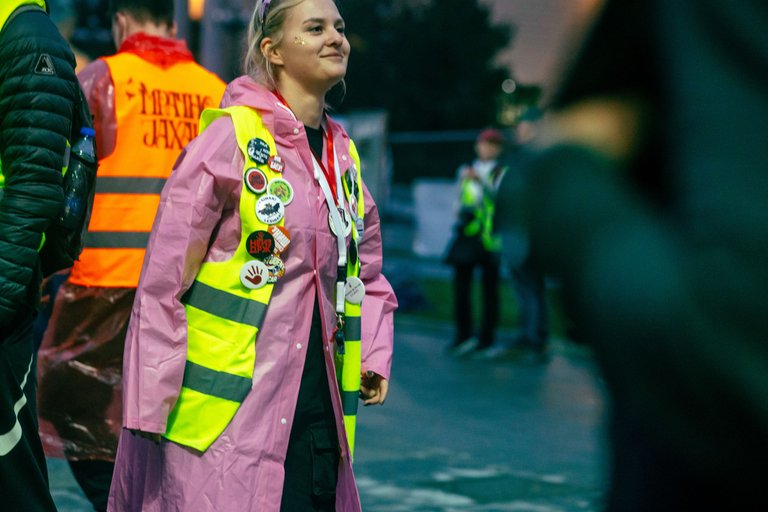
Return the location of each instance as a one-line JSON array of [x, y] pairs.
[[329, 169], [330, 183], [339, 229]]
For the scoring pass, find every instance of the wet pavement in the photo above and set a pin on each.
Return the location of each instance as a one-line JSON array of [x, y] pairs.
[[488, 435], [468, 435], [462, 434]]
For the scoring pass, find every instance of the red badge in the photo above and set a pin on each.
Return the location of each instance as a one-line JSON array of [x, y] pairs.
[[255, 180], [276, 163]]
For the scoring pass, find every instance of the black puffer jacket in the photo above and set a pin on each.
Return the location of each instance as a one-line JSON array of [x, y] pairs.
[[38, 89]]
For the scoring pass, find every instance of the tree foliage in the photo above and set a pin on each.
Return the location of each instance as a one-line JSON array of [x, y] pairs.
[[429, 63]]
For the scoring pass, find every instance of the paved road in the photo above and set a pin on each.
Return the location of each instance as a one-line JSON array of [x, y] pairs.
[[465, 435]]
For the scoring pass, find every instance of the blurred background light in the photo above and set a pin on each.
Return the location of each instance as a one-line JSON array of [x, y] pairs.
[[195, 9]]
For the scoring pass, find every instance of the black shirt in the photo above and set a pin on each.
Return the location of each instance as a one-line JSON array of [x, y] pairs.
[[315, 139]]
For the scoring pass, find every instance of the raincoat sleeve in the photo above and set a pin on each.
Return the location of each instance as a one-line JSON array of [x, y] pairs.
[[96, 82], [192, 203], [380, 303]]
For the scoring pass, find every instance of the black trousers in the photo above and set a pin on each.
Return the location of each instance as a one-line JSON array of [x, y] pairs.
[[23, 471], [94, 478], [312, 460], [532, 302], [462, 292]]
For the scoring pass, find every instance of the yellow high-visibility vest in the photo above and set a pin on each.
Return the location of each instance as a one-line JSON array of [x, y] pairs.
[[8, 6], [6, 9], [224, 319], [482, 222]]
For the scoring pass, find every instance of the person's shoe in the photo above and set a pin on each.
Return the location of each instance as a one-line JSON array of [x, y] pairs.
[[488, 352], [463, 348]]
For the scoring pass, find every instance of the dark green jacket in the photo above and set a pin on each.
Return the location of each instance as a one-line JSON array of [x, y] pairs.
[[38, 88]]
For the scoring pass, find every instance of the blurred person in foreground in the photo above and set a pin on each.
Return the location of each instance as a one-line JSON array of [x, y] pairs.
[[146, 100], [262, 316], [647, 198], [476, 244], [38, 94], [531, 343]]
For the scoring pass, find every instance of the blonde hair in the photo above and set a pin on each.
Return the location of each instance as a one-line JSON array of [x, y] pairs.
[[256, 65]]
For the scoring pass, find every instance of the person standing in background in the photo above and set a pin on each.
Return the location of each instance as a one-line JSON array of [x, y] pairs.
[[146, 100], [475, 244], [38, 97], [531, 342]]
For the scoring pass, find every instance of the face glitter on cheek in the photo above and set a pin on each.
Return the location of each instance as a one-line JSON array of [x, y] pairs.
[[299, 41]]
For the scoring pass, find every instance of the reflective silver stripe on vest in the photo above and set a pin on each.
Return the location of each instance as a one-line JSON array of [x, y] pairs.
[[352, 328], [122, 185], [213, 383], [225, 305], [349, 401], [117, 240]]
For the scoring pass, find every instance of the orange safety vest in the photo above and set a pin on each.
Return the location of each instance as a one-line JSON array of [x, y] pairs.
[[157, 112]]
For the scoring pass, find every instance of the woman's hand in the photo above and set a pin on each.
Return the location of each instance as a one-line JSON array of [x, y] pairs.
[[373, 388]]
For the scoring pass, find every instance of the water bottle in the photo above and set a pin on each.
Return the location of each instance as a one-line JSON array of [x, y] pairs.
[[82, 158]]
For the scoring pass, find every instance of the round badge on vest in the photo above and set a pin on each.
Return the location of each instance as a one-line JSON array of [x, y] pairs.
[[254, 274], [276, 163], [270, 209], [344, 219], [258, 150], [255, 180], [275, 267], [354, 290], [281, 237], [280, 188], [260, 244]]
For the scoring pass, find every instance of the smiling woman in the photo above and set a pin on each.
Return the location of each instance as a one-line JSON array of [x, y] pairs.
[[302, 59], [262, 316]]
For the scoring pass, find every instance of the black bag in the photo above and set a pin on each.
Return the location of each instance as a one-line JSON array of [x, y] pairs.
[[64, 244]]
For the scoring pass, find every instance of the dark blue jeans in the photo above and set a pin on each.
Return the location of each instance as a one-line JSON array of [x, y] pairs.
[[532, 303]]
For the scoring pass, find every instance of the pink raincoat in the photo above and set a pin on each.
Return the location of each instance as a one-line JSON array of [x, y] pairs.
[[198, 221]]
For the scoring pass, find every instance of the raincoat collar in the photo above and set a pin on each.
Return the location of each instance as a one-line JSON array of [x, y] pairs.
[[279, 119]]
